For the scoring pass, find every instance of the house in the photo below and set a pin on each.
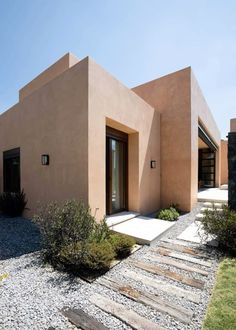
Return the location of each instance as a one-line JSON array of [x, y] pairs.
[[77, 132]]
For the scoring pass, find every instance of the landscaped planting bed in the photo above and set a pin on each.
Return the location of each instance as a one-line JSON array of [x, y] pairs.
[[75, 242]]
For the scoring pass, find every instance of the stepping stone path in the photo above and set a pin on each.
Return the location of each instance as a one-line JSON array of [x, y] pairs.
[[174, 271], [209, 206]]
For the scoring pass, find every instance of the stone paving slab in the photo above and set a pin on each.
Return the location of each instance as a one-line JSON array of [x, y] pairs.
[[143, 229]]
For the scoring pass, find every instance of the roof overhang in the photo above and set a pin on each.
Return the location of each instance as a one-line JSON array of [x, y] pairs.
[[206, 138]]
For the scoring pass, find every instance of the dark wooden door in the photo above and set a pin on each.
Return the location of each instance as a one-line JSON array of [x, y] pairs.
[[116, 171]]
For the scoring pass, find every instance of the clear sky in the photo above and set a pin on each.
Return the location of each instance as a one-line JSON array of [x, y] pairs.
[[135, 40]]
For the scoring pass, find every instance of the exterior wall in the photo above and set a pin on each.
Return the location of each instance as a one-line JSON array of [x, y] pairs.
[[178, 98], [233, 125], [64, 113], [51, 120], [112, 104], [171, 96], [63, 64], [224, 162], [200, 112]]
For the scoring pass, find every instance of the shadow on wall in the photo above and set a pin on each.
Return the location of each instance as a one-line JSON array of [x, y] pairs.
[[150, 184], [18, 236]]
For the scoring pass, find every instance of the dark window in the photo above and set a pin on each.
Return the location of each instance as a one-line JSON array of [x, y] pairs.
[[11, 170], [206, 168], [116, 171]]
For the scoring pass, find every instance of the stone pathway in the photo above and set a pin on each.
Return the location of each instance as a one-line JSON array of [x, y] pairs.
[[164, 286], [173, 276]]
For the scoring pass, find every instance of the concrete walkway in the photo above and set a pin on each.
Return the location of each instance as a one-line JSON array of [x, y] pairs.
[[213, 194], [143, 229]]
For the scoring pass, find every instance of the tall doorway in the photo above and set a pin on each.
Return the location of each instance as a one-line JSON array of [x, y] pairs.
[[206, 159], [11, 170], [206, 168], [116, 171]]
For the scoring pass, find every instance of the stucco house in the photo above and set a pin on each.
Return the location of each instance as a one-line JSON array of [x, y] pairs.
[[77, 132]]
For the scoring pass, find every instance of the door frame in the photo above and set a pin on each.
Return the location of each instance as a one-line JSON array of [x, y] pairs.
[[119, 136], [10, 155]]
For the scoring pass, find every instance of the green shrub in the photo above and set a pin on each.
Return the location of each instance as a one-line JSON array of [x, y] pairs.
[[121, 244], [13, 204], [221, 224], [98, 256], [73, 238], [71, 255], [168, 214], [92, 256]]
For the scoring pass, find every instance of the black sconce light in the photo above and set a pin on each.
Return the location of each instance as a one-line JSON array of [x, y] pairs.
[[153, 164], [45, 159]]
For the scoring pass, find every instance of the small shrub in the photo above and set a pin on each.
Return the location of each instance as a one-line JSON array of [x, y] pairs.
[[101, 231], [71, 256], [121, 244], [72, 237], [62, 225], [168, 214], [13, 204], [221, 224], [98, 256], [93, 256]]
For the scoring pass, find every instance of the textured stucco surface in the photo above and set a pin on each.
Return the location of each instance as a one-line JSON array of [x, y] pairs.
[[114, 105], [178, 98], [51, 120], [64, 113], [224, 162], [63, 64], [200, 112]]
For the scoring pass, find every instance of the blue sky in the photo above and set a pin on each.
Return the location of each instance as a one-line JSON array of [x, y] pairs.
[[135, 40]]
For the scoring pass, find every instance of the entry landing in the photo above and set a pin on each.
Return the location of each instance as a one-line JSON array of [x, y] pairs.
[[143, 229]]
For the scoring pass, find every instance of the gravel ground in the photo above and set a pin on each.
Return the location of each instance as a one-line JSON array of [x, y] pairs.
[[33, 294]]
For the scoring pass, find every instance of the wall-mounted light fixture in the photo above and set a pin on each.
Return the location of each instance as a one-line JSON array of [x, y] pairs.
[[45, 159], [153, 164]]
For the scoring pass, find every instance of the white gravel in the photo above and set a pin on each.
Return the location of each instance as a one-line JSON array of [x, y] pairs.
[[33, 294]]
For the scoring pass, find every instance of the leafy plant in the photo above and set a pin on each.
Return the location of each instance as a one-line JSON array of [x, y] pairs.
[[72, 237], [122, 244], [221, 224], [170, 214], [71, 255], [93, 256], [98, 256], [13, 204], [62, 225]]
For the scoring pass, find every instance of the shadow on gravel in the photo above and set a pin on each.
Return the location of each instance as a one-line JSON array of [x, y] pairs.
[[18, 236]]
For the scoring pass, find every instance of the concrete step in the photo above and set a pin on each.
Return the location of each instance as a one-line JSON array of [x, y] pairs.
[[224, 187], [213, 195], [120, 217], [193, 234], [199, 216], [211, 204], [209, 209], [144, 230]]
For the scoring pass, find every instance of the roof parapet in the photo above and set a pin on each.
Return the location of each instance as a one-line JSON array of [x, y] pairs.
[[63, 64]]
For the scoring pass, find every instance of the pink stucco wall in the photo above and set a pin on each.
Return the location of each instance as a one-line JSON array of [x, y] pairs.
[[178, 98]]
